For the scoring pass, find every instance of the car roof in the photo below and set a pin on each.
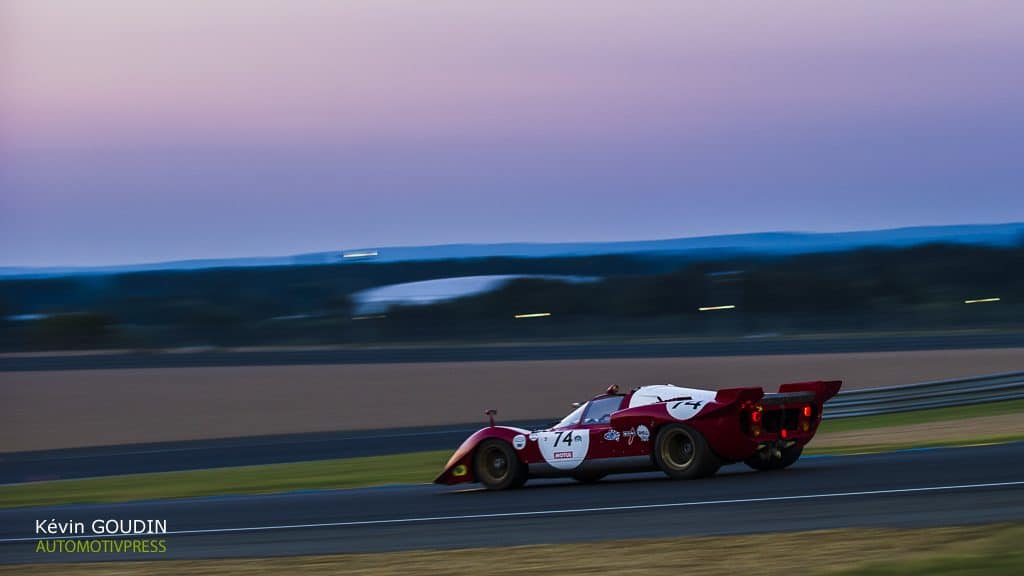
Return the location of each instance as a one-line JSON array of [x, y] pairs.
[[665, 392]]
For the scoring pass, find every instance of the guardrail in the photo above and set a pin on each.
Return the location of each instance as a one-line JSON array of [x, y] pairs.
[[938, 394]]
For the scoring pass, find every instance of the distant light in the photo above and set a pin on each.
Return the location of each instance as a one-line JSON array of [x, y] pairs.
[[26, 317], [980, 300], [370, 317], [367, 254], [710, 308], [291, 317], [534, 315]]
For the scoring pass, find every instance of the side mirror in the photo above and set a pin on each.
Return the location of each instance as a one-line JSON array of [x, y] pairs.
[[613, 389], [490, 414]]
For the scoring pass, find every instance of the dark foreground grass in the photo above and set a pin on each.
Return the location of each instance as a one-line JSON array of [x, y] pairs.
[[991, 550], [997, 553]]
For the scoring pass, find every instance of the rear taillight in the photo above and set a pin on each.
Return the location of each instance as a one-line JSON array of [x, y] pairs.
[[805, 418], [755, 420]]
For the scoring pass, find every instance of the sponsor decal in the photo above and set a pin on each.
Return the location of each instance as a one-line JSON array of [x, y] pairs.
[[642, 432], [629, 435], [612, 435], [519, 442], [534, 436], [562, 455]]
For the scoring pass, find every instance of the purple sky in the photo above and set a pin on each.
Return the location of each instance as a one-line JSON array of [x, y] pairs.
[[135, 131]]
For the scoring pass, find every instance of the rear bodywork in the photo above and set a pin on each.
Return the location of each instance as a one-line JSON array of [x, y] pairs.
[[737, 423]]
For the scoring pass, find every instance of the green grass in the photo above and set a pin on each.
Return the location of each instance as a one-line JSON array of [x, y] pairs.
[[341, 473], [921, 416], [414, 467], [874, 448]]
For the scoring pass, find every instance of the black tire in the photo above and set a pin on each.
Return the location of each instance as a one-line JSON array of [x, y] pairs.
[[497, 467], [764, 463], [683, 454], [588, 478]]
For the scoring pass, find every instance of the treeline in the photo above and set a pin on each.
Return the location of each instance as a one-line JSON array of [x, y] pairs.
[[243, 306], [873, 289]]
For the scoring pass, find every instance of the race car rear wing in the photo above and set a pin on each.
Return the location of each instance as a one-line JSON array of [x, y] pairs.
[[822, 390], [780, 398], [817, 392]]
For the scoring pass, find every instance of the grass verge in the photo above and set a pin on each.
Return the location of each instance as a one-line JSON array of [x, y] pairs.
[[921, 416], [341, 473], [849, 450], [986, 549], [415, 467]]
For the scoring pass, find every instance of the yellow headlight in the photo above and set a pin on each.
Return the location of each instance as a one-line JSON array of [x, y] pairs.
[[459, 470]]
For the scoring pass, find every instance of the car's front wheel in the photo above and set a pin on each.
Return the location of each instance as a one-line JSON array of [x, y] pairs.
[[497, 467], [682, 453]]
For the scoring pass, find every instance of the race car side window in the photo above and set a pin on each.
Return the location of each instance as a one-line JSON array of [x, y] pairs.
[[599, 411]]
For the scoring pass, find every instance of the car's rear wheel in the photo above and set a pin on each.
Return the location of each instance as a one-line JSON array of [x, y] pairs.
[[682, 453], [497, 467], [766, 461]]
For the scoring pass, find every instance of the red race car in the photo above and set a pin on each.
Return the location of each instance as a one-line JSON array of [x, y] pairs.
[[685, 432]]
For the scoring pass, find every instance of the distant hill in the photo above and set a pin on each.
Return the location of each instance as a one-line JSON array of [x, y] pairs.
[[778, 243]]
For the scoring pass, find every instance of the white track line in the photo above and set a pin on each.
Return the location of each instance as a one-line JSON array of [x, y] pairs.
[[540, 512]]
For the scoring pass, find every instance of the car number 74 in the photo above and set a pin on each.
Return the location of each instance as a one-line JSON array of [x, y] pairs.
[[563, 437]]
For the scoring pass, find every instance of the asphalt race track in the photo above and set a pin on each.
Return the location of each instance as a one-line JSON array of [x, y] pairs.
[[579, 351], [913, 488]]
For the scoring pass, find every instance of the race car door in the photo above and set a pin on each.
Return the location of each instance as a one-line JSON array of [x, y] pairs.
[[604, 441]]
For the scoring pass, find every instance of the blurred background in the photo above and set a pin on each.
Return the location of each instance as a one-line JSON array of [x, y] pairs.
[[933, 287]]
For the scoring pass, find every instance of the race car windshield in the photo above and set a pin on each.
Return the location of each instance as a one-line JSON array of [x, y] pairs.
[[599, 411], [573, 417]]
